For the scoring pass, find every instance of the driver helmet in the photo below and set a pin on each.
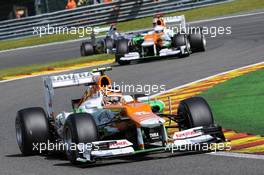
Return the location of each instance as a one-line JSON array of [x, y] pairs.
[[113, 26], [113, 98], [159, 29]]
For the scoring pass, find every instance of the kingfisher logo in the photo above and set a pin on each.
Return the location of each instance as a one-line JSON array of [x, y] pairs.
[[186, 134], [119, 144]]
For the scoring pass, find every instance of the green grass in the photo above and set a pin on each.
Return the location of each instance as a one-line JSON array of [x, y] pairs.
[[24, 70], [238, 103], [194, 14]]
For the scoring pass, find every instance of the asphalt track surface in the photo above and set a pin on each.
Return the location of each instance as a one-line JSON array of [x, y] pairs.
[[245, 46]]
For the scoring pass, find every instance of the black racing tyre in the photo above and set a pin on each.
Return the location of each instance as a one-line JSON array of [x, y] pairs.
[[195, 112], [197, 41], [32, 129], [109, 43], [100, 47], [79, 128], [121, 49], [82, 50], [87, 49], [179, 40]]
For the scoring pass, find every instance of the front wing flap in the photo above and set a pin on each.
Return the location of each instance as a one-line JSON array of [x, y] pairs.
[[117, 148], [102, 149], [198, 135], [163, 53]]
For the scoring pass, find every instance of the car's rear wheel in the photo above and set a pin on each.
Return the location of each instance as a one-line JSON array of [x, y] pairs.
[[100, 47], [79, 128], [195, 112], [197, 41], [32, 130], [87, 49], [122, 48]]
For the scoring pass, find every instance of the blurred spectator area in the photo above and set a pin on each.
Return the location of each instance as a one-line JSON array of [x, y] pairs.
[[11, 9], [8, 9]]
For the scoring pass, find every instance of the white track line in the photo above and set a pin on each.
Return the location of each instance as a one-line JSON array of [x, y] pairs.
[[71, 41], [197, 81], [238, 155]]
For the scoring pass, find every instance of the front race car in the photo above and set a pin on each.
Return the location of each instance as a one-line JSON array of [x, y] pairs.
[[142, 131], [103, 125]]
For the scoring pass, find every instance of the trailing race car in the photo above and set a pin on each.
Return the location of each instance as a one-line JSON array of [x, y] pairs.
[[105, 45], [107, 123], [168, 38]]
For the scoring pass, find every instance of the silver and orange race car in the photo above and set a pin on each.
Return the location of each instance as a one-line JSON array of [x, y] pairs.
[[106, 123], [169, 37]]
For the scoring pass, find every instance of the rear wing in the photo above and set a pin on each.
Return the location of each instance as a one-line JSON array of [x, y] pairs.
[[174, 24], [96, 31], [75, 79], [69, 80], [101, 29], [172, 21]]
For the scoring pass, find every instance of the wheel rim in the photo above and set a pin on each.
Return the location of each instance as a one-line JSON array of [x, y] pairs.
[[188, 46], [204, 42], [18, 133]]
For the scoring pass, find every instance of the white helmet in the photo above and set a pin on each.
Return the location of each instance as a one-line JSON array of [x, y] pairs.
[[159, 29]]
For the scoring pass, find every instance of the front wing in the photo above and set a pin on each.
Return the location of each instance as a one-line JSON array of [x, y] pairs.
[[180, 140], [163, 53]]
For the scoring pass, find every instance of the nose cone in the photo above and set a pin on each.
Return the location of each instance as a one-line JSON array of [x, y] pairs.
[[148, 42], [152, 122], [143, 116]]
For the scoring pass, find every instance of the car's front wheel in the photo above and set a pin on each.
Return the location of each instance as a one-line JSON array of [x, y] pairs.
[[79, 128], [179, 41], [195, 112], [121, 49], [109, 43]]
